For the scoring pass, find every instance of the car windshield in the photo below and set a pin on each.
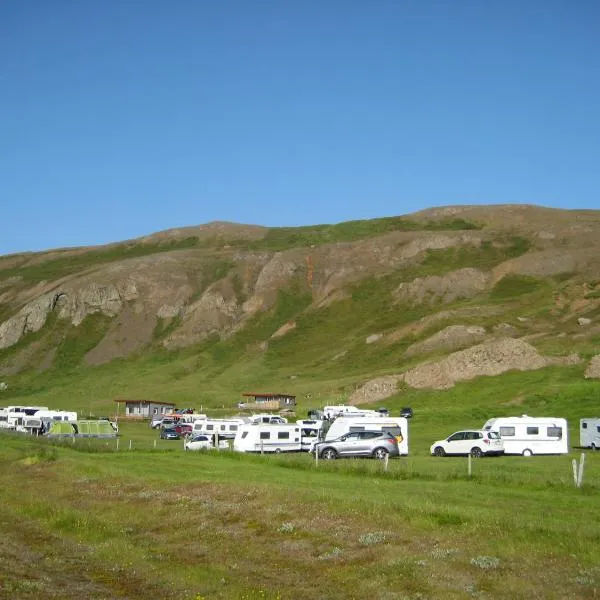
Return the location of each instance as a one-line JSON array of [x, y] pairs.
[[493, 435]]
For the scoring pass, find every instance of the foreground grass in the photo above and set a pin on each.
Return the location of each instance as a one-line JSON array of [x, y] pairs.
[[81, 522]]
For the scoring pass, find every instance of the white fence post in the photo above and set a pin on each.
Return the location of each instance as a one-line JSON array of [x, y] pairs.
[[580, 474], [130, 444], [469, 467], [117, 444], [574, 463], [386, 460]]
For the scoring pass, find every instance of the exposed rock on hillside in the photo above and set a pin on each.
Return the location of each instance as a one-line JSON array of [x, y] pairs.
[[491, 358], [448, 339], [464, 283], [593, 369], [376, 389]]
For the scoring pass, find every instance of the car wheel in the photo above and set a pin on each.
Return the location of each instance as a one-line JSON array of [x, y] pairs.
[[329, 454], [439, 451], [527, 452], [278, 451], [380, 453], [476, 452]]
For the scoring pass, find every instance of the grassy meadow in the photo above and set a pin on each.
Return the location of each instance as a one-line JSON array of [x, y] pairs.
[[86, 520]]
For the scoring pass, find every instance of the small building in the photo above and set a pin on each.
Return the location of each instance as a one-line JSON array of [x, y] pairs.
[[266, 401], [144, 409]]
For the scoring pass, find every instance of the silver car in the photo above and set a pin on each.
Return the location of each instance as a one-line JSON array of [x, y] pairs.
[[377, 444]]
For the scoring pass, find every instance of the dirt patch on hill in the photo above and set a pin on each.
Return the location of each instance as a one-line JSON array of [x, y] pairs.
[[450, 338], [593, 369], [376, 389], [491, 358]]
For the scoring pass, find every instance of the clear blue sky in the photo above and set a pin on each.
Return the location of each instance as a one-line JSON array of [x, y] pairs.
[[122, 118]]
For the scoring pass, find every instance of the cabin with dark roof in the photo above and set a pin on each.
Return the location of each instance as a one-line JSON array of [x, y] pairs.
[[144, 409], [267, 401]]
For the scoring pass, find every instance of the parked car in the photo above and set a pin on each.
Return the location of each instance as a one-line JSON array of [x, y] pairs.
[[406, 412], [156, 421], [474, 442], [377, 444], [184, 429], [169, 434], [205, 442]]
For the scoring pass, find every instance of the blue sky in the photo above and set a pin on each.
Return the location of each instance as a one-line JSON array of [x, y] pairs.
[[119, 119]]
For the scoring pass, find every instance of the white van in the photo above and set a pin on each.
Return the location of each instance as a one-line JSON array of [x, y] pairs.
[[267, 419], [527, 435], [226, 428], [589, 433], [268, 438], [396, 425], [332, 412], [310, 430]]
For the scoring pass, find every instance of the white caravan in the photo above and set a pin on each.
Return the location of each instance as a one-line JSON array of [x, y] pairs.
[[268, 438], [398, 426], [226, 428], [589, 433], [4, 418], [527, 435], [267, 419]]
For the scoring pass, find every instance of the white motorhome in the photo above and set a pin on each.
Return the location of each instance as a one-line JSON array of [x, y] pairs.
[[226, 428], [331, 412], [527, 435], [267, 419], [395, 425], [268, 438], [310, 430], [16, 414], [589, 433], [42, 420], [4, 418]]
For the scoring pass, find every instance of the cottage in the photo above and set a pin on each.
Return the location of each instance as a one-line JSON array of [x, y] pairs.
[[265, 401], [144, 409]]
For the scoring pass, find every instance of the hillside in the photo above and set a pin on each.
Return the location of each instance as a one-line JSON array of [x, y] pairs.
[[399, 309]]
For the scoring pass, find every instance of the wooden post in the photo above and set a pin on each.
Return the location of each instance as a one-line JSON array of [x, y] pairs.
[[580, 474], [469, 465]]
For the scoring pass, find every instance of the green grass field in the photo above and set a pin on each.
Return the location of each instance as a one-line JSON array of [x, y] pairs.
[[85, 520]]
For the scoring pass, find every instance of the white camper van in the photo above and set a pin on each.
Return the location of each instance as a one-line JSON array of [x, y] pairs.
[[310, 430], [527, 435], [226, 428], [395, 425], [268, 438], [331, 412], [589, 433], [267, 419]]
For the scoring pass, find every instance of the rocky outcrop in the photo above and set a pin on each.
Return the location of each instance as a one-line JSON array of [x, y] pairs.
[[448, 339], [593, 368], [491, 358], [29, 319], [376, 389], [464, 283], [285, 328]]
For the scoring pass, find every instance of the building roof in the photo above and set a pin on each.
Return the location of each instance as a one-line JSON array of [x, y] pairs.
[[268, 395], [148, 402]]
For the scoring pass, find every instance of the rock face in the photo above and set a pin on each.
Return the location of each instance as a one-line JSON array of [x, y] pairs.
[[376, 389], [464, 283], [491, 358], [448, 339], [593, 369]]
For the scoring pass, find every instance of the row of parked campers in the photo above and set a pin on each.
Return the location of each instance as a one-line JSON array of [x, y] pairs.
[[523, 435]]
